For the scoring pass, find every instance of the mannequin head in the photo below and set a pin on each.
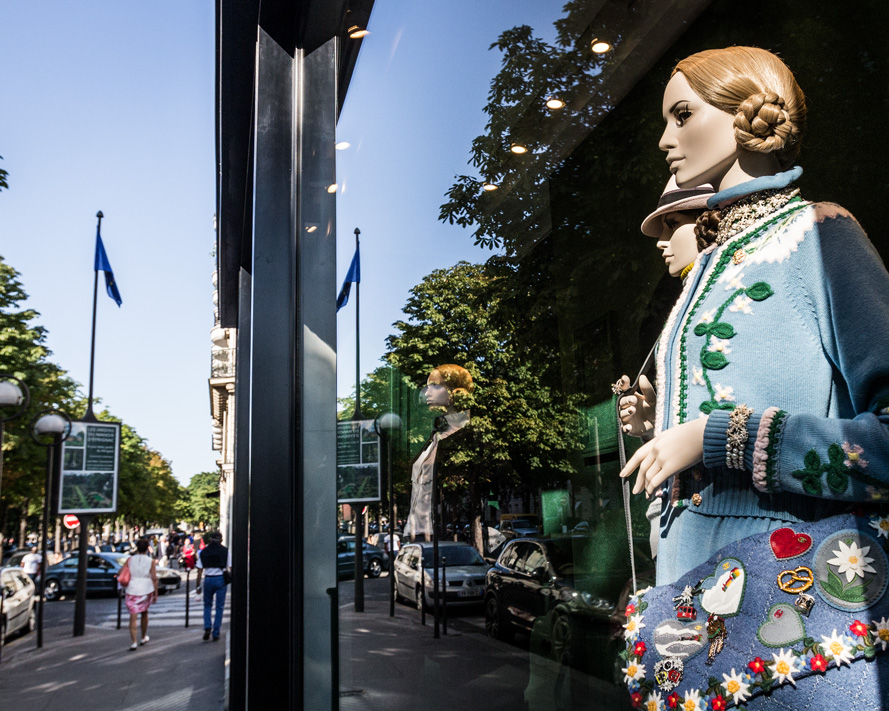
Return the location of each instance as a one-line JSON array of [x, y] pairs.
[[447, 386], [732, 114]]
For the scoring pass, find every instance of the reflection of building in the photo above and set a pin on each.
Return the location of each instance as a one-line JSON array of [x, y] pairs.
[[222, 409]]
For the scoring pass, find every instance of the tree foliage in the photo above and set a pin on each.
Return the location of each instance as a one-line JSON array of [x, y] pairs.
[[201, 500]]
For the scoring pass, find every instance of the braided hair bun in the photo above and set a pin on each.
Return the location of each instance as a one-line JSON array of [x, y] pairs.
[[762, 123], [706, 227]]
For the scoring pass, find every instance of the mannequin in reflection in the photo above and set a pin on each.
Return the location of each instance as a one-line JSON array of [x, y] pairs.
[[674, 224], [764, 340], [446, 392]]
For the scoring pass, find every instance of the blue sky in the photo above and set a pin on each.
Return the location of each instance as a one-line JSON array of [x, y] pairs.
[[109, 105]]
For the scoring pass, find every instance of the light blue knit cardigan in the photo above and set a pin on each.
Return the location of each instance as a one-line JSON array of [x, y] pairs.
[[791, 318]]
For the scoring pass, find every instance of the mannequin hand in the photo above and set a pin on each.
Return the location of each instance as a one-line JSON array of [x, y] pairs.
[[670, 452], [637, 409]]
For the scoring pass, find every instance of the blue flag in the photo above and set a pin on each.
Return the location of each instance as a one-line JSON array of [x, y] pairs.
[[102, 264], [353, 275]]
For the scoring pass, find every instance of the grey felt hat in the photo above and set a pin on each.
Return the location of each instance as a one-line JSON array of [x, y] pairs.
[[675, 199]]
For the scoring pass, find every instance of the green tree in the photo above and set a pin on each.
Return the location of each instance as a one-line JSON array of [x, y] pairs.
[[200, 503], [4, 182], [523, 432]]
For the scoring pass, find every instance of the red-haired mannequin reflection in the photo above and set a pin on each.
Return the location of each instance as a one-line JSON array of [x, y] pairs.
[[446, 391]]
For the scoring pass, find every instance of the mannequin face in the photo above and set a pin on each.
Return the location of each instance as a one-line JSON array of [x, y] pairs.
[[437, 394], [677, 240], [699, 138]]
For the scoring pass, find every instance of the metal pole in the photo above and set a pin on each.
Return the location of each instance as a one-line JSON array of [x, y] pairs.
[[435, 561], [358, 414], [2, 600], [423, 590], [444, 596], [187, 580], [391, 527], [359, 560], [89, 416], [120, 594], [41, 586], [83, 554]]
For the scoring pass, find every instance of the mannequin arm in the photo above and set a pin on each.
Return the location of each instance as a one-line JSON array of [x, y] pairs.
[[637, 409], [672, 451]]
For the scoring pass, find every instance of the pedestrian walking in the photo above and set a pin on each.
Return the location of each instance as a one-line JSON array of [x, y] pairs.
[[213, 565], [31, 564], [141, 590]]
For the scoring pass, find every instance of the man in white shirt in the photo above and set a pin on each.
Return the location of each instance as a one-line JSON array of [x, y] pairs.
[[31, 564]]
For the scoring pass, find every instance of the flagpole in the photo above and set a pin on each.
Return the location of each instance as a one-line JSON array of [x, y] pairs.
[[358, 414], [89, 416]]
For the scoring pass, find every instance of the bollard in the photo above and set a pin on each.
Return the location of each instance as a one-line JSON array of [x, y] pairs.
[[444, 595], [187, 579], [120, 595]]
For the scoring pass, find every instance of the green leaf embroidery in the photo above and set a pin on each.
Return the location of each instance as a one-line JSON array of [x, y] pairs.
[[702, 329], [811, 480], [722, 330], [812, 460], [707, 407], [760, 291], [713, 360], [833, 585], [837, 480]]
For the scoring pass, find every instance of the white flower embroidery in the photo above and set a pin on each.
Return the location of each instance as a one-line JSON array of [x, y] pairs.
[[785, 666], [698, 376], [881, 633], [852, 560], [875, 494], [654, 702], [633, 671], [837, 647], [734, 282], [692, 701], [634, 624], [882, 526], [724, 393], [707, 316], [736, 686], [741, 304], [719, 344]]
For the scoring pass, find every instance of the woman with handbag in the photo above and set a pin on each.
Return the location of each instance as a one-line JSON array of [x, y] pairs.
[[139, 577], [770, 431]]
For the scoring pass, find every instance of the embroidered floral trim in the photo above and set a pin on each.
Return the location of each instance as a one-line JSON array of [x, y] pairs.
[[838, 648], [837, 470], [725, 252], [853, 456], [760, 453], [881, 523], [750, 209]]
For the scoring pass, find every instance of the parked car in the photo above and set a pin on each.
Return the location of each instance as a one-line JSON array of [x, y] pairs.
[[465, 573], [102, 570], [18, 605], [518, 528], [564, 592], [375, 559]]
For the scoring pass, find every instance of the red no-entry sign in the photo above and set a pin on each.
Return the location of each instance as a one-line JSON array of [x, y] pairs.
[[71, 521]]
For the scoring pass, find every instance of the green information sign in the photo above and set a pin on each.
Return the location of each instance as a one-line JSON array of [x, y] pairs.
[[357, 462], [90, 465]]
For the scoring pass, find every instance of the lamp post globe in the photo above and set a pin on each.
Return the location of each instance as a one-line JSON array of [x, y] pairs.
[[50, 427], [13, 393], [387, 424]]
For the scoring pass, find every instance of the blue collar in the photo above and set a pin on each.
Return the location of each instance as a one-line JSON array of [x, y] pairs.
[[766, 182]]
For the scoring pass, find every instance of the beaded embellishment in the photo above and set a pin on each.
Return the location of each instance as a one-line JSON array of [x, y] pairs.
[[740, 215]]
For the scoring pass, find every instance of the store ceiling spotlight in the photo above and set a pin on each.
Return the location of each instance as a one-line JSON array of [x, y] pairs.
[[332, 188], [600, 46], [555, 103], [311, 228], [516, 148], [356, 32], [489, 187], [342, 145]]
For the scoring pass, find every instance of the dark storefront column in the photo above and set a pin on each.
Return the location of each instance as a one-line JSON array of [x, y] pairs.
[[287, 436]]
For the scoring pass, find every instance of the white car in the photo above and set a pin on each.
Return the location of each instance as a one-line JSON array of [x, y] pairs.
[[461, 567], [18, 603]]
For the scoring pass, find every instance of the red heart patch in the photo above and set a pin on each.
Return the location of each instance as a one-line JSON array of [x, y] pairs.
[[786, 543]]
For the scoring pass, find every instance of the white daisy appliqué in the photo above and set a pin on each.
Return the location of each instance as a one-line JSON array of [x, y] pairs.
[[737, 686], [633, 671], [881, 523], [724, 393], [786, 665], [852, 560], [881, 633], [839, 647], [634, 624]]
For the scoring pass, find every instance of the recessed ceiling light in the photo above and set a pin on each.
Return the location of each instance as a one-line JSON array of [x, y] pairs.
[[516, 148], [488, 187], [311, 228], [600, 46], [342, 145], [332, 188], [356, 32], [555, 103]]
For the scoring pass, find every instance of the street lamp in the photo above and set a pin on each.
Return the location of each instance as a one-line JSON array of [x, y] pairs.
[[48, 429], [387, 426], [13, 394]]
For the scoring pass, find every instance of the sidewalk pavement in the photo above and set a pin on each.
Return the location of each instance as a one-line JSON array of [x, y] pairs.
[[175, 671]]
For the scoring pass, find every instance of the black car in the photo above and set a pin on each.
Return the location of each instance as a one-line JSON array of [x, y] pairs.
[[563, 591], [375, 559], [101, 577]]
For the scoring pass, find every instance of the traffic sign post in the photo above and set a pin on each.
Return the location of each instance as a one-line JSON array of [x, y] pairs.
[[71, 521]]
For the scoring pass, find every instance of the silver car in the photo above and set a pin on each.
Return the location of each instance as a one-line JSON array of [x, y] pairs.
[[461, 567], [18, 603]]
